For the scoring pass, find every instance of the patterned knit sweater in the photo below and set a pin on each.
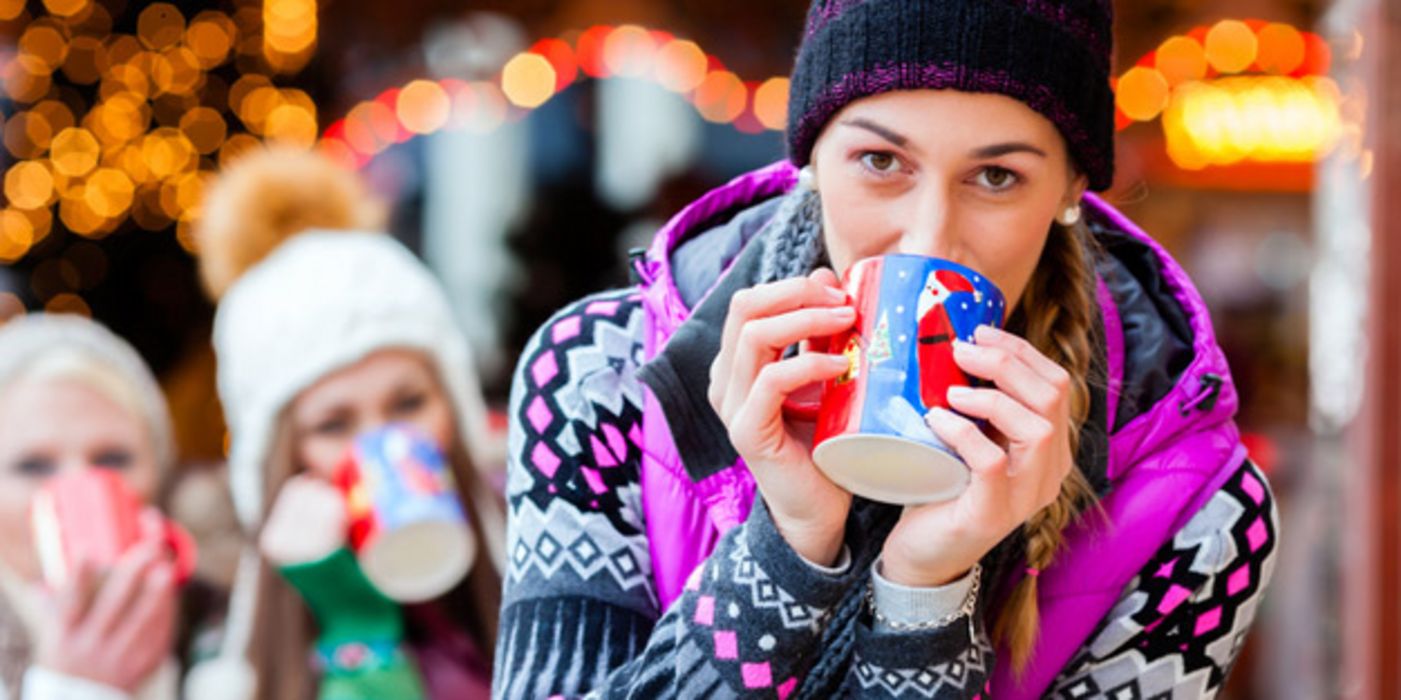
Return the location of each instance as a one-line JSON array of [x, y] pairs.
[[580, 613]]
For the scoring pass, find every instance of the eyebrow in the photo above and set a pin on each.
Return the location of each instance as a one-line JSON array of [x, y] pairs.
[[991, 151], [1002, 149], [894, 137]]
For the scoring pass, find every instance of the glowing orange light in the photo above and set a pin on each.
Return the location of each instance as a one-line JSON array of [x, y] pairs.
[[423, 106], [681, 66], [721, 97], [74, 152], [1231, 46], [771, 103], [1281, 49], [528, 80], [29, 185]]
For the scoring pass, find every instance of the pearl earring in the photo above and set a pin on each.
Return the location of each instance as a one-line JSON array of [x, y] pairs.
[[1070, 216], [807, 179]]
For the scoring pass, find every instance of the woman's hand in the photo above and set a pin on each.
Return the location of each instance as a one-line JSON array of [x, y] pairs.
[[307, 523], [115, 629], [749, 382], [1015, 472]]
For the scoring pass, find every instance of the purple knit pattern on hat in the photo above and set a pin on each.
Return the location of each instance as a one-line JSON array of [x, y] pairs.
[[826, 12], [1050, 10], [887, 78]]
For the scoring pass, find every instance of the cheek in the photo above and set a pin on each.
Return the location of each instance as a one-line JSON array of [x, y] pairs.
[[143, 477], [16, 550], [320, 455], [436, 421], [854, 227]]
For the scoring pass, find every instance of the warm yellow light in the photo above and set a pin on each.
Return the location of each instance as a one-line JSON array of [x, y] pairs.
[[771, 103], [119, 119], [29, 185], [210, 36], [1142, 93], [423, 106], [255, 109], [109, 193], [16, 235], [26, 79], [65, 8], [292, 124], [1259, 119], [160, 26], [83, 56], [167, 152], [205, 128], [45, 45], [681, 65], [74, 152], [721, 97], [629, 51], [1231, 46], [528, 80], [28, 135], [10, 9], [289, 32], [78, 216], [1281, 49], [177, 72], [1181, 59]]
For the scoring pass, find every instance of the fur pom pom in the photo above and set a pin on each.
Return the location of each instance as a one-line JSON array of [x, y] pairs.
[[268, 196]]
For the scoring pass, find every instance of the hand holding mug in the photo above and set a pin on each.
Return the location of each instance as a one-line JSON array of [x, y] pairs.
[[749, 382], [117, 626], [1016, 471]]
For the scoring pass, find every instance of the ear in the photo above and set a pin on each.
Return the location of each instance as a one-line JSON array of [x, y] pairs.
[[1076, 191]]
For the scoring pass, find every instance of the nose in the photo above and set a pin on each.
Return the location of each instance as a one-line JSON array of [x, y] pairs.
[[928, 229]]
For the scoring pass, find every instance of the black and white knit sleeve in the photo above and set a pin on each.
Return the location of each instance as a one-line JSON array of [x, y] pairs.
[[1178, 627], [580, 614]]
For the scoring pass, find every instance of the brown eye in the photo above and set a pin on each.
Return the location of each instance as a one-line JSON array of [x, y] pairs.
[[880, 161], [997, 179]]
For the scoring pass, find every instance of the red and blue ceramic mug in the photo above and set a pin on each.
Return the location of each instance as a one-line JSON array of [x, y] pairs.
[[871, 437], [408, 528]]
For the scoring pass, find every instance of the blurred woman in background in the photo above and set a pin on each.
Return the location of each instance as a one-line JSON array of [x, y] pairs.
[[73, 398], [327, 329]]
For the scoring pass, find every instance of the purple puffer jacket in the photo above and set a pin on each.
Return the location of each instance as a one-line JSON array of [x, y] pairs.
[[1164, 463]]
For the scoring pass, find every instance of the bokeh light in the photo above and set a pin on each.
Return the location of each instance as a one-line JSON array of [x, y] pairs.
[[528, 80], [721, 97], [1231, 46], [423, 106]]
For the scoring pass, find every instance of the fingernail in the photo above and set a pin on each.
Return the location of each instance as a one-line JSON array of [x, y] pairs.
[[938, 414], [844, 312], [839, 360], [957, 393], [985, 331], [836, 294], [964, 346]]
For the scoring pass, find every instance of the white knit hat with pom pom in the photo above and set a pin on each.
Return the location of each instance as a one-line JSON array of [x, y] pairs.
[[309, 303]]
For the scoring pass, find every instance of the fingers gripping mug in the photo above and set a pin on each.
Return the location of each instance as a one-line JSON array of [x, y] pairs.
[[407, 526], [92, 516], [871, 437]]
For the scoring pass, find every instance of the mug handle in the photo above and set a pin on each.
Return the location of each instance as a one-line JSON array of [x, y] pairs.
[[182, 548]]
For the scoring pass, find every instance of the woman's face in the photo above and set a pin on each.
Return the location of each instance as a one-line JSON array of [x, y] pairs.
[[59, 426], [970, 177], [391, 386]]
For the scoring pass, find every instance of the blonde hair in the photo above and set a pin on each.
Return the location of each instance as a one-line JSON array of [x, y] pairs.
[[1056, 315]]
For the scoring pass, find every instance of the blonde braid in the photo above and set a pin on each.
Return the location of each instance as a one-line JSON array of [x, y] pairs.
[[1056, 315]]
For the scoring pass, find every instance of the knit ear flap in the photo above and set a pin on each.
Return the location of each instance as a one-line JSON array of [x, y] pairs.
[[267, 197]]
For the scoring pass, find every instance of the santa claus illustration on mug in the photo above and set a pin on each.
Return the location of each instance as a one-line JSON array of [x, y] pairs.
[[944, 315]]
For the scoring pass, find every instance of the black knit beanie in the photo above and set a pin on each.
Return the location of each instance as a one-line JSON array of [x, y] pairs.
[[1053, 55]]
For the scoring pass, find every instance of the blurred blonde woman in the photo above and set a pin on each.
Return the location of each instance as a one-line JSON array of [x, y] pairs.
[[326, 329], [74, 397]]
